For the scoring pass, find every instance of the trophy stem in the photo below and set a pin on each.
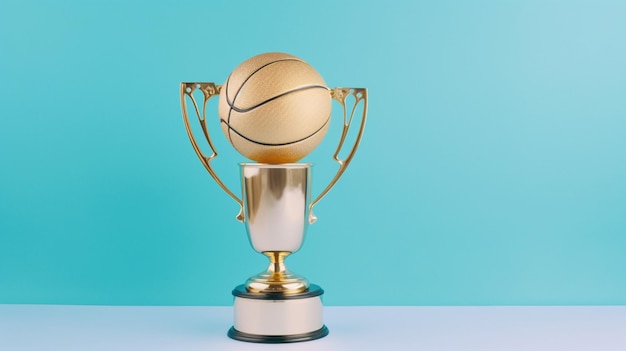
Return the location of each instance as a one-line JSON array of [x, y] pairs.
[[277, 264], [277, 279]]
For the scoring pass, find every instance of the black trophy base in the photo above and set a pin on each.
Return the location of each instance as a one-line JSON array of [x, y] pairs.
[[278, 318], [277, 339]]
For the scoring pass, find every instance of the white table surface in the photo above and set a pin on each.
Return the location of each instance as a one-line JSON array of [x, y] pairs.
[[63, 327]]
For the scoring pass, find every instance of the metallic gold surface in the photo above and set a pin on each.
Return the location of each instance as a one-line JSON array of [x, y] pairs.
[[208, 90], [277, 279], [276, 201], [340, 94]]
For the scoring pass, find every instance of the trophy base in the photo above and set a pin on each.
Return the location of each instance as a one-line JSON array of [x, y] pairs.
[[277, 339], [276, 317]]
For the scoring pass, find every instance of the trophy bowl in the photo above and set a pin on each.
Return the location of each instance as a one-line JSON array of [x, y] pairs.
[[276, 202]]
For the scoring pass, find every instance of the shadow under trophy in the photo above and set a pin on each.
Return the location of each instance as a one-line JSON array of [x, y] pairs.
[[275, 109]]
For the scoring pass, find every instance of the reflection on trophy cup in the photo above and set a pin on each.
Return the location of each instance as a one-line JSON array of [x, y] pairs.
[[275, 109]]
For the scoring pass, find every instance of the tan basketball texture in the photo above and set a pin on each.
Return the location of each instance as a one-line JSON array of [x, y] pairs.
[[274, 108]]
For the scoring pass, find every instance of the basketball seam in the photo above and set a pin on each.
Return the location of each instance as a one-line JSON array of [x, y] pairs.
[[272, 144], [274, 98], [243, 83], [253, 73]]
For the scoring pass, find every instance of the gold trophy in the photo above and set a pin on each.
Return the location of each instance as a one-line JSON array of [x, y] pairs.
[[274, 109]]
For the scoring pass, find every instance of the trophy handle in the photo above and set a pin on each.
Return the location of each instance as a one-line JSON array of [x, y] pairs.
[[208, 90], [340, 94]]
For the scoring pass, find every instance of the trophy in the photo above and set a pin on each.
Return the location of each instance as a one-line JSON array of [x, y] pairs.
[[275, 109]]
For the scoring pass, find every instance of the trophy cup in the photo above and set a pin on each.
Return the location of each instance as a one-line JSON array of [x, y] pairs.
[[274, 109]]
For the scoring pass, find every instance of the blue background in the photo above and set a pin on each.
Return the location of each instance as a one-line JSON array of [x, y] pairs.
[[492, 170]]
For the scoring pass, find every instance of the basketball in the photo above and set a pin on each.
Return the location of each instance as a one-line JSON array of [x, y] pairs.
[[274, 108]]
